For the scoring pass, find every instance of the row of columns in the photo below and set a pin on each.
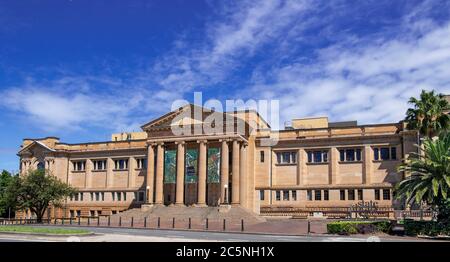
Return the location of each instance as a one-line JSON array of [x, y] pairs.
[[239, 169]]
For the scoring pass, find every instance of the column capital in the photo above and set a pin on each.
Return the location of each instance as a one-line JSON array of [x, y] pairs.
[[180, 142], [202, 141], [152, 143], [224, 140]]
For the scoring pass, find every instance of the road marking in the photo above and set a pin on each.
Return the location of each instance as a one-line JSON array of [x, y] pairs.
[[176, 236]]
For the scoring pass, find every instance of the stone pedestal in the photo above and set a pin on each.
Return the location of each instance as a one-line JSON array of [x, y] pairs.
[[224, 208], [146, 207]]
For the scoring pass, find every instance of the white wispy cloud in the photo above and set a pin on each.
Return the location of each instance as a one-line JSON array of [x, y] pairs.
[[368, 77]]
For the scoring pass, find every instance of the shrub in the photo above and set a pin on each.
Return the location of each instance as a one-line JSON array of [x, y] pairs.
[[429, 228], [358, 227]]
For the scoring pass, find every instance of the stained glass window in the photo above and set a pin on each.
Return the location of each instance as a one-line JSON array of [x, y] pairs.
[[213, 165], [170, 166]]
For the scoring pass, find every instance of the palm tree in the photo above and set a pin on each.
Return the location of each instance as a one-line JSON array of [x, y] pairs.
[[429, 115], [430, 176]]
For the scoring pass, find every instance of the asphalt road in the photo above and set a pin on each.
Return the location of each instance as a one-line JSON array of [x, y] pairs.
[[167, 235]]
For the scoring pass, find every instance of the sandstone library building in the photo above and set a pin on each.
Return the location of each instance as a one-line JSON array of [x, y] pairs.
[[312, 165]]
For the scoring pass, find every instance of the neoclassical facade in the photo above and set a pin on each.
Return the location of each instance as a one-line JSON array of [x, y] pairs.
[[212, 158]]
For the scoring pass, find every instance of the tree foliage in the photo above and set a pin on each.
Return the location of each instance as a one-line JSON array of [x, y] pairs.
[[429, 114], [430, 174], [36, 191], [5, 178]]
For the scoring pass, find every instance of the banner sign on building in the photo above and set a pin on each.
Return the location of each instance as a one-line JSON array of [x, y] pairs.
[[213, 165], [191, 166], [170, 166]]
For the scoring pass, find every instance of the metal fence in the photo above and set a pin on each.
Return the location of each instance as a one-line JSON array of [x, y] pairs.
[[145, 222]]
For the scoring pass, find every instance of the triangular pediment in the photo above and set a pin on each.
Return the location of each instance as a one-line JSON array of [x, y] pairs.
[[33, 147], [185, 115]]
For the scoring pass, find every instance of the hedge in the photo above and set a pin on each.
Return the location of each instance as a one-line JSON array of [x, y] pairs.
[[429, 228], [358, 227]]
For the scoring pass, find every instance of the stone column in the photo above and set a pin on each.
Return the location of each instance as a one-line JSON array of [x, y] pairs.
[[159, 174], [243, 176], [109, 172], [150, 173], [131, 171], [333, 160], [235, 173], [201, 198], [367, 165], [224, 172], [302, 159], [180, 174], [89, 167]]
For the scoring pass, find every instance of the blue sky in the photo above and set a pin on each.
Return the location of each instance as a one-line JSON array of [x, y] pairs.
[[82, 69]]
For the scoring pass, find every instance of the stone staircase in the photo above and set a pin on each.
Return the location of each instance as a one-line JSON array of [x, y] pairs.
[[234, 213]]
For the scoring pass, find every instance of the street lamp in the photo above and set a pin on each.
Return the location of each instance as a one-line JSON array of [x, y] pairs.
[[226, 193], [148, 194]]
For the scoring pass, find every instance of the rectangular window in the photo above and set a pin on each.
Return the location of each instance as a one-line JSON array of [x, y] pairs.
[[113, 196], [350, 155], [92, 196], [326, 195], [376, 153], [342, 155], [92, 213], [278, 195], [261, 195], [317, 156], [78, 213], [103, 196], [358, 154], [351, 194], [317, 195], [342, 194], [393, 153], [141, 196], [377, 194], [360, 194], [384, 152], [294, 195], [99, 164], [97, 196], [79, 165], [121, 164], [309, 195], [386, 194], [261, 155], [76, 197], [286, 195], [141, 163], [287, 157], [124, 196], [81, 196], [119, 196]]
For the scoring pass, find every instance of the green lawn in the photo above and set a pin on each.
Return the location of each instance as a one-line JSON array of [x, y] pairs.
[[43, 230]]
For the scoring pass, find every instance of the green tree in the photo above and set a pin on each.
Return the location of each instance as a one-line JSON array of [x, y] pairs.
[[36, 191], [5, 178], [429, 179], [428, 114]]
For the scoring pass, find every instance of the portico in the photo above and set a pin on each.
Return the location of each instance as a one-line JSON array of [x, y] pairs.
[[211, 176]]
